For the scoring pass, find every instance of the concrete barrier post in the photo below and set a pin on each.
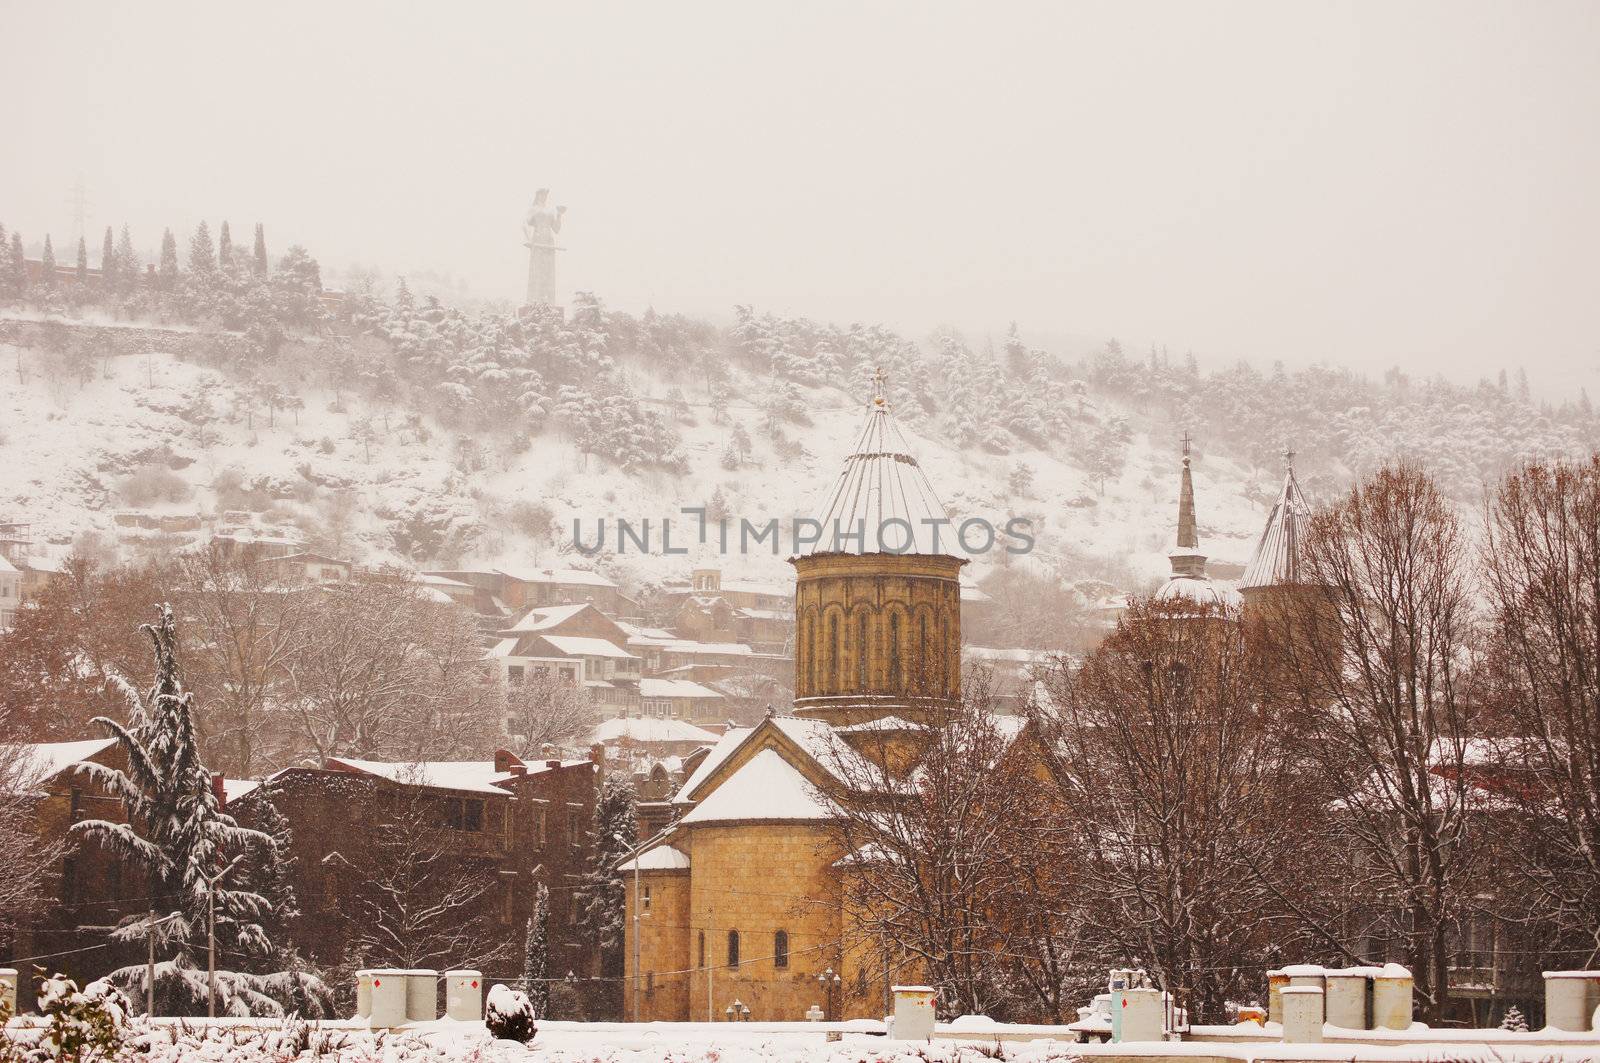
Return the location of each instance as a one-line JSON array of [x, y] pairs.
[[914, 1013], [388, 999], [1569, 1000], [1346, 997], [1307, 975], [8, 989], [363, 994], [1276, 980], [1391, 998], [1142, 1015], [422, 996], [1302, 1015], [463, 995]]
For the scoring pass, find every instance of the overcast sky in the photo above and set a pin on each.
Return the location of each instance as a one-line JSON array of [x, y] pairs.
[[1370, 184]]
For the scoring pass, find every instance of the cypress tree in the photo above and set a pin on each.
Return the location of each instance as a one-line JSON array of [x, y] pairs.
[[602, 899], [167, 271], [47, 264], [225, 248], [202, 254], [109, 279], [260, 253], [83, 264], [536, 955]]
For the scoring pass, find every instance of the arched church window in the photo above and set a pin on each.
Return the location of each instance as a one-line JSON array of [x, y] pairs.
[[780, 949], [924, 657], [861, 653], [733, 948], [896, 677], [806, 648], [836, 648], [702, 948]]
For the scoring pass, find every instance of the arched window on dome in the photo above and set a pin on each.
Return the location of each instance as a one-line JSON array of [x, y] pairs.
[[861, 652], [924, 671], [780, 949], [836, 651], [733, 948], [942, 668], [807, 634], [896, 672]]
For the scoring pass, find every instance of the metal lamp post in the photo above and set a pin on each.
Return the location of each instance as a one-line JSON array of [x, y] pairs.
[[830, 981], [211, 936]]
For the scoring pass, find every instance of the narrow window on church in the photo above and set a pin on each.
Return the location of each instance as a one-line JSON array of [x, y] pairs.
[[702, 948], [836, 647], [923, 656], [806, 636], [944, 659], [861, 654], [895, 677], [780, 949], [646, 902], [733, 948]]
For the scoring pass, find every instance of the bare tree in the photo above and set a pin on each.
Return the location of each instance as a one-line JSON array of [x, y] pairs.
[[1542, 560], [1382, 650], [1181, 798], [27, 855], [547, 710]]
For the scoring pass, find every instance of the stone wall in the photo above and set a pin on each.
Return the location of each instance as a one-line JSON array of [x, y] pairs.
[[57, 336]]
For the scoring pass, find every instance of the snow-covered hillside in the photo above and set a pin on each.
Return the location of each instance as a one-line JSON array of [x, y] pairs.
[[157, 435]]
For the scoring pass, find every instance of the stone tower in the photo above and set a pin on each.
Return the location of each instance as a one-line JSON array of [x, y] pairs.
[[878, 597], [1189, 585]]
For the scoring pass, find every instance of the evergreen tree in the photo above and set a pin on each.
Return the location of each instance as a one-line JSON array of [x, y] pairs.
[[128, 265], [602, 899], [269, 872], [47, 264], [5, 264], [225, 248], [176, 830], [109, 280], [259, 255], [83, 265], [19, 265], [1514, 1020], [536, 954], [202, 254], [167, 271]]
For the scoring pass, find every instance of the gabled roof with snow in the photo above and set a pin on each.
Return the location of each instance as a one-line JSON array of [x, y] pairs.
[[42, 761], [882, 723], [767, 787], [568, 576], [737, 649], [650, 729], [470, 776], [661, 858], [545, 618], [1275, 561], [731, 740], [233, 789], [674, 688], [585, 646], [881, 489]]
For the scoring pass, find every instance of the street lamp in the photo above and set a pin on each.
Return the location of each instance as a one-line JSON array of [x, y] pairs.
[[211, 935], [830, 981], [738, 1011]]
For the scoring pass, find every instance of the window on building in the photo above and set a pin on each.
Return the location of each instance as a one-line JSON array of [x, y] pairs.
[[650, 981], [541, 825], [702, 962], [836, 658], [644, 899], [896, 675], [780, 949], [574, 831], [861, 653], [733, 948], [465, 815], [515, 672]]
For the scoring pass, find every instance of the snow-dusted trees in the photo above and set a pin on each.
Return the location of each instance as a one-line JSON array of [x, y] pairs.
[[24, 852], [1542, 559], [546, 710], [1185, 799], [536, 954], [602, 901], [167, 267], [176, 830], [1382, 652]]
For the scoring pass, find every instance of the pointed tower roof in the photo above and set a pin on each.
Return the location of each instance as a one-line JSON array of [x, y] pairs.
[[882, 502], [1189, 582], [1276, 559]]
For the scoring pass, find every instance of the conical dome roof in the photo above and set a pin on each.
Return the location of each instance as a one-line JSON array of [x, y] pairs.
[[1276, 559], [882, 502]]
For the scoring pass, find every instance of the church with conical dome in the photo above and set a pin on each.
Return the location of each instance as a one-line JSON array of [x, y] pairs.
[[742, 896]]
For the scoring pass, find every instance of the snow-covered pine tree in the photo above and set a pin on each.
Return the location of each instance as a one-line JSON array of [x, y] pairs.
[[258, 254], [225, 248], [202, 252], [167, 269], [128, 267], [109, 281], [19, 264], [602, 899], [1514, 1021], [47, 264], [536, 954], [176, 829]]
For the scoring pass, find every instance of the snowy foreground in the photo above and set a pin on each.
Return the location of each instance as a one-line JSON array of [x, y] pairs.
[[444, 1041]]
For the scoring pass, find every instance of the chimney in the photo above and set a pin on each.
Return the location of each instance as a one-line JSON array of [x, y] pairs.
[[552, 764], [217, 789], [506, 762]]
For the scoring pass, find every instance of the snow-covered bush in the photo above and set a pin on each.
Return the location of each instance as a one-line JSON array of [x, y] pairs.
[[509, 1015], [80, 1025], [1514, 1020]]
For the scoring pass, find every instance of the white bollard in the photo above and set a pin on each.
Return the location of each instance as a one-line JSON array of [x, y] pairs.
[[1307, 975], [1567, 1000], [1391, 998], [388, 999], [422, 996], [363, 994], [913, 1013], [1346, 997], [1276, 980], [1142, 1016], [8, 989], [1302, 1015], [463, 995]]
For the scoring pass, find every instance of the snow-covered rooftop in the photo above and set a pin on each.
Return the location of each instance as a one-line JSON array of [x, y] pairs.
[[674, 688], [569, 576], [1276, 558], [661, 858], [768, 787], [585, 646], [43, 761], [650, 729], [545, 618]]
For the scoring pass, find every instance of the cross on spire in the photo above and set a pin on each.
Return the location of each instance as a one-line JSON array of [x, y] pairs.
[[880, 385], [1288, 456], [1186, 441]]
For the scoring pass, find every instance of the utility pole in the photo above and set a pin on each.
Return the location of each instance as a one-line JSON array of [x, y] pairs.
[[211, 936], [711, 919], [637, 900]]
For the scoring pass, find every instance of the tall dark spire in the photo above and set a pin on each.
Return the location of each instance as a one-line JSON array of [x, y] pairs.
[[1188, 533]]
